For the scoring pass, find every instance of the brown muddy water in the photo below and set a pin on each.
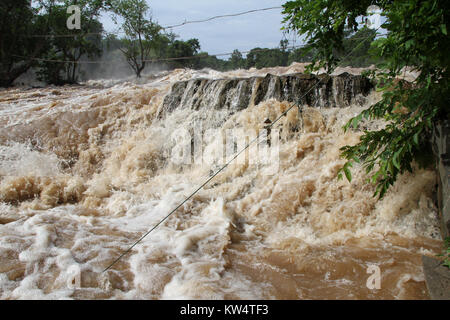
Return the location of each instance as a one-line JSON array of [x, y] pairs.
[[86, 170]]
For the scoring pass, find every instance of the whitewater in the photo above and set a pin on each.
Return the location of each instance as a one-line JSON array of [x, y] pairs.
[[86, 170]]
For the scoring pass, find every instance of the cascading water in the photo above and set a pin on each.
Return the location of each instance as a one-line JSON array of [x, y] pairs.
[[86, 170]]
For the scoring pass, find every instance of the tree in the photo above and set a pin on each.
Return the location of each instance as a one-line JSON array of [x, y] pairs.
[[70, 45], [284, 44], [236, 60], [356, 53], [29, 34], [140, 32], [212, 62], [18, 49], [179, 50], [260, 58], [418, 38]]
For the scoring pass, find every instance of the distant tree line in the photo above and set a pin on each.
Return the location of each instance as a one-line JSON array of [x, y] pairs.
[[37, 37]]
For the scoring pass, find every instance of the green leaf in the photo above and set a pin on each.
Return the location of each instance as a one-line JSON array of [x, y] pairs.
[[355, 122], [416, 138], [347, 172], [395, 159], [417, 37]]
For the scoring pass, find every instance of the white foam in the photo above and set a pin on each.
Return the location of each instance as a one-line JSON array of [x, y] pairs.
[[121, 184]]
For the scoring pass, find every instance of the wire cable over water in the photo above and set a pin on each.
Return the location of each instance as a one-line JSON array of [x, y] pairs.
[[222, 16], [223, 167], [153, 60], [201, 56], [164, 28]]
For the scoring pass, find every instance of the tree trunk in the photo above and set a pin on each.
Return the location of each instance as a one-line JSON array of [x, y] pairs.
[[7, 79]]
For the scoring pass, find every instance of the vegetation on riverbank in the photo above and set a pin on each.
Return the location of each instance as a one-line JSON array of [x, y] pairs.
[[37, 38], [417, 38]]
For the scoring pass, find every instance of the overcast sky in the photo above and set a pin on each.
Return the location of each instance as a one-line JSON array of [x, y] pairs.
[[258, 29]]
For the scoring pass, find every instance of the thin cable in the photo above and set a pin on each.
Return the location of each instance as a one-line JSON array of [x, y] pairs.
[[164, 28], [221, 16], [173, 211], [202, 56], [220, 170], [71, 35]]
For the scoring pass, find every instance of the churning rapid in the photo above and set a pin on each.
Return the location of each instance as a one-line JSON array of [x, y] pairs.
[[86, 170]]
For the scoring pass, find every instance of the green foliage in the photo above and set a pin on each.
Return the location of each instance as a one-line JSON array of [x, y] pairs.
[[405, 138], [324, 23], [145, 40], [262, 58], [179, 49], [63, 47], [352, 53], [357, 51], [236, 60], [417, 38], [18, 20], [212, 62], [141, 33], [446, 253], [31, 34], [304, 54]]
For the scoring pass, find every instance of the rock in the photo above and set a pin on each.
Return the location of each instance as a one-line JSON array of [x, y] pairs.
[[437, 278], [441, 150], [237, 94]]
